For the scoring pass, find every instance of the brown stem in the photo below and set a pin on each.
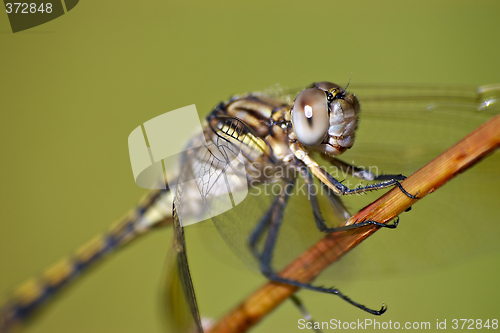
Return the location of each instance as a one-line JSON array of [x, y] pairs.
[[329, 249]]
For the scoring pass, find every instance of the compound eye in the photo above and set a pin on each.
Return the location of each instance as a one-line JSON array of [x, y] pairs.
[[310, 116]]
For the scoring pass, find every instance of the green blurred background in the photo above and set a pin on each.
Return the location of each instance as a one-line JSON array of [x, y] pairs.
[[73, 89]]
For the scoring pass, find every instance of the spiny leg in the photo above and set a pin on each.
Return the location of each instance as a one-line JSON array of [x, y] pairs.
[[340, 188], [318, 218], [255, 236], [359, 172], [276, 218], [258, 231], [338, 207]]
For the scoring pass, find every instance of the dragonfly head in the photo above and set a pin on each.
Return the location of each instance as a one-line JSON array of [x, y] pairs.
[[325, 117]]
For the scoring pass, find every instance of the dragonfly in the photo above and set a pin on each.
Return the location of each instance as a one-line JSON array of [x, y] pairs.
[[277, 148]]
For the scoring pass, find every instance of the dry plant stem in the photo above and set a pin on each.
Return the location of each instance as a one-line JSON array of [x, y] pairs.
[[329, 249]]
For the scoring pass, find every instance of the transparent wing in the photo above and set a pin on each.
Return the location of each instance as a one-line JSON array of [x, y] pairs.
[[408, 125], [181, 308], [212, 181], [199, 171], [401, 129]]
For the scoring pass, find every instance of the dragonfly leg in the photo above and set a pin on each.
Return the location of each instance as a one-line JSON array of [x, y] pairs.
[[318, 218], [350, 169], [276, 218], [359, 172], [338, 207], [341, 189], [257, 232]]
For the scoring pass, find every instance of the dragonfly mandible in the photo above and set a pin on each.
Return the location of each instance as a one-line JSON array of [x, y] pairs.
[[262, 134]]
